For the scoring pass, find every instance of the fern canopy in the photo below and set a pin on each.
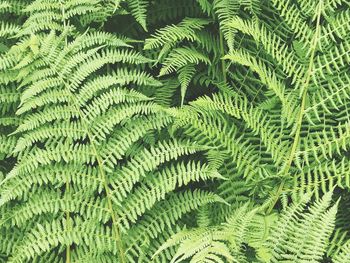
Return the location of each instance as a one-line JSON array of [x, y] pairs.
[[201, 131]]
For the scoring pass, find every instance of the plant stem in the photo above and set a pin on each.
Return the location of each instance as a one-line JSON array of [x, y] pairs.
[[68, 225], [68, 219], [304, 89], [115, 227]]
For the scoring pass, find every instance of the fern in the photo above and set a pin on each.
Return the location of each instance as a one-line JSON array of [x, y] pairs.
[[139, 11], [70, 113], [174, 131]]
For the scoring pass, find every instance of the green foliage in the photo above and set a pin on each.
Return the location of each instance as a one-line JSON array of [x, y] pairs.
[[174, 131]]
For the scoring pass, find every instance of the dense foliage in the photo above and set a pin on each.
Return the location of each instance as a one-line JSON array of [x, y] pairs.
[[174, 131]]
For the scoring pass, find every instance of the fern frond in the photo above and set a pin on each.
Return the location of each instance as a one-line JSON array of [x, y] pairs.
[[274, 45], [300, 232], [165, 214], [146, 161], [185, 75], [343, 255], [295, 19], [180, 57], [52, 234], [155, 188], [187, 29], [139, 11]]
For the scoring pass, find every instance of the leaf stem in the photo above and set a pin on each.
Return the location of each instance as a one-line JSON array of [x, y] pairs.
[[68, 218], [75, 105], [304, 89]]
